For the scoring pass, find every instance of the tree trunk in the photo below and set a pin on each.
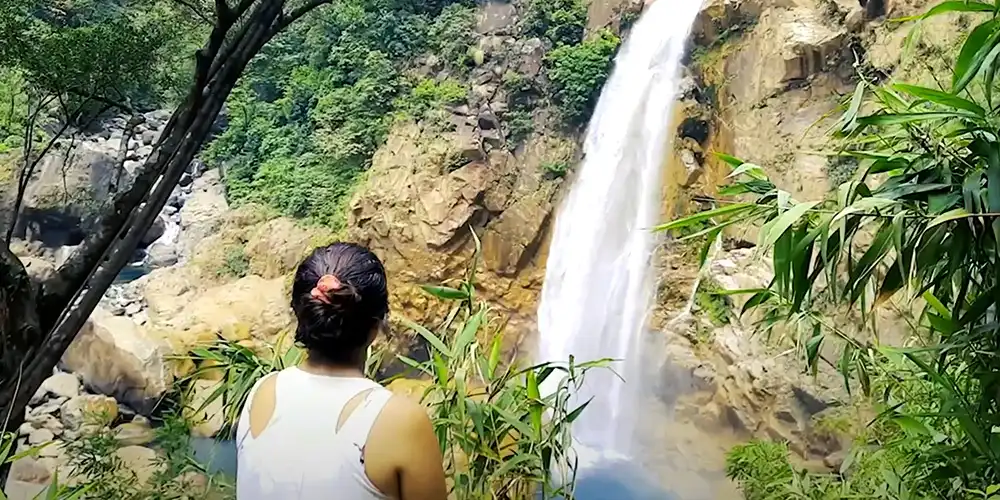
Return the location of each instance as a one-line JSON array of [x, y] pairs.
[[69, 299]]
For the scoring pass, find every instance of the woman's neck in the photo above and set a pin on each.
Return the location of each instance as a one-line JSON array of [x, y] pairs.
[[317, 364]]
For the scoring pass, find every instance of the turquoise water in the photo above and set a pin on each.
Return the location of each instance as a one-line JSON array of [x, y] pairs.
[[617, 481]]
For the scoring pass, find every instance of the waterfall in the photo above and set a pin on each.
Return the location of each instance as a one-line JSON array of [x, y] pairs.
[[598, 283]]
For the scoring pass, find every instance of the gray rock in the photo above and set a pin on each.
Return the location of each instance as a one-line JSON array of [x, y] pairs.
[[492, 137], [64, 385], [488, 121], [48, 408], [133, 309], [25, 429], [116, 310], [148, 137], [169, 210], [131, 166], [185, 180], [88, 409], [155, 231], [134, 434], [197, 168], [160, 255], [133, 145], [145, 151], [40, 436]]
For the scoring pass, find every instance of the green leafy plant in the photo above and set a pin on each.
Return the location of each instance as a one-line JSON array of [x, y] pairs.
[[236, 262], [55, 490], [556, 169], [240, 368], [502, 438], [430, 95], [916, 223], [452, 34], [578, 73], [561, 21]]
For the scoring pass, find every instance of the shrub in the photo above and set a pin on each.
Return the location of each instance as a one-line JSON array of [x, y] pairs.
[[561, 21], [236, 262], [99, 473], [578, 73], [555, 169], [429, 95], [519, 125], [452, 34]]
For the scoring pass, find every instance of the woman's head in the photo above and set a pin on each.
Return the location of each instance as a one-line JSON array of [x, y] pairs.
[[340, 298]]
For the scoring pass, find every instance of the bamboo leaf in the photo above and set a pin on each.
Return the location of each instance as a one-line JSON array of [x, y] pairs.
[[950, 6], [958, 213], [980, 42], [731, 160], [943, 98], [446, 293], [728, 210], [575, 414], [785, 220], [883, 120], [469, 331], [429, 336]]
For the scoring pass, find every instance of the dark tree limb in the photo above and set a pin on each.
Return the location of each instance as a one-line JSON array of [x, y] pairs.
[[133, 122]]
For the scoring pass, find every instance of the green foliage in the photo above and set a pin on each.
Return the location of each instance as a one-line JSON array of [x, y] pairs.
[[430, 95], [236, 262], [916, 222], [712, 303], [761, 468], [561, 21], [452, 34], [87, 51], [501, 437], [99, 471], [241, 368], [520, 126], [578, 73], [315, 105], [555, 169]]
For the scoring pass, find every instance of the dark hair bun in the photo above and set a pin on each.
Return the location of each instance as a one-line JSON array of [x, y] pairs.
[[339, 297]]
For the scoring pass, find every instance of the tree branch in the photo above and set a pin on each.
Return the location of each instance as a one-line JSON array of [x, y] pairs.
[[297, 14], [201, 15]]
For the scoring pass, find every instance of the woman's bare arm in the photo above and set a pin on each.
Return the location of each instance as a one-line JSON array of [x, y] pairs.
[[421, 474]]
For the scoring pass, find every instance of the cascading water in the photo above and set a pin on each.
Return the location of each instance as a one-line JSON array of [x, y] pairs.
[[598, 283]]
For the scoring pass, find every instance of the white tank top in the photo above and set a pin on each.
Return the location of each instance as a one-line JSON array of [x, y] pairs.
[[301, 455]]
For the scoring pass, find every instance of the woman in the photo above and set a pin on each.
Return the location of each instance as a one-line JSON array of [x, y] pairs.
[[322, 430]]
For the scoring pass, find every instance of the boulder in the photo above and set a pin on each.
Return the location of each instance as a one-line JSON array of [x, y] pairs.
[[252, 304], [161, 255], [71, 182], [210, 420], [787, 46], [148, 137], [495, 15], [116, 356], [200, 215], [135, 433], [88, 410], [508, 239], [140, 460], [156, 230], [39, 270], [62, 384]]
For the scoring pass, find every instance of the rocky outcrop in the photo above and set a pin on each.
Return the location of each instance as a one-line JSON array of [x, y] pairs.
[[115, 356], [418, 215]]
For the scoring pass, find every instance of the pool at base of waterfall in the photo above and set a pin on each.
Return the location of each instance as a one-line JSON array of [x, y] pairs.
[[619, 480]]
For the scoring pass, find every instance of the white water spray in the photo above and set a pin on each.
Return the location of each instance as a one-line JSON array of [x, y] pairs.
[[598, 283]]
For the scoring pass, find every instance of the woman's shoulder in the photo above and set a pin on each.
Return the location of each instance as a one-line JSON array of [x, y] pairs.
[[403, 414]]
